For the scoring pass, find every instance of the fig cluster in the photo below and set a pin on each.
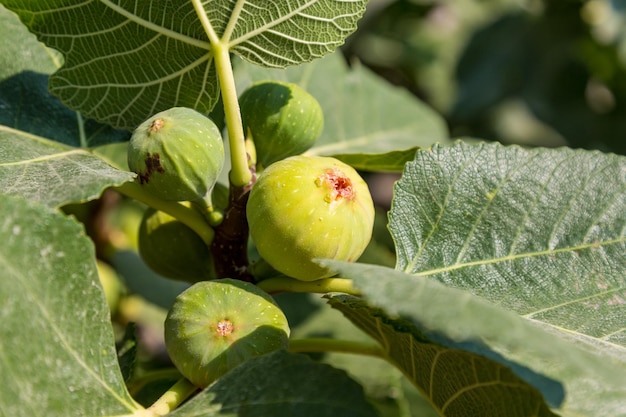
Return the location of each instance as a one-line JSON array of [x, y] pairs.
[[300, 209]]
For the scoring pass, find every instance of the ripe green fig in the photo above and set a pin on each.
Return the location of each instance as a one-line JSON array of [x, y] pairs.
[[307, 207], [177, 154], [282, 118], [214, 326], [173, 249]]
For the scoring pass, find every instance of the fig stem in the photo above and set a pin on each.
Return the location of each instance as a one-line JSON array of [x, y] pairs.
[[240, 174], [173, 397], [137, 383], [321, 286], [314, 344], [186, 215], [229, 247]]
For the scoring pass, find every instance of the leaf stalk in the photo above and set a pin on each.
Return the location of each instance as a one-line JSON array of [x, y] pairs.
[[320, 286], [188, 216]]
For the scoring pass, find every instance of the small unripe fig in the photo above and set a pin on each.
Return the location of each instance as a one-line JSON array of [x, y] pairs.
[[111, 284], [173, 249], [307, 207], [214, 326], [283, 119], [177, 154]]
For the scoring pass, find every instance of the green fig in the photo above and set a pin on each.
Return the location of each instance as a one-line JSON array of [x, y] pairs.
[[173, 249], [214, 326], [282, 118], [111, 284], [307, 207], [177, 154]]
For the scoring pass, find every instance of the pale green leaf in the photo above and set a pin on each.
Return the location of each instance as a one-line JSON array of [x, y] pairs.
[[479, 386], [20, 50], [364, 116], [57, 353], [127, 61], [591, 377], [540, 232], [393, 161], [51, 173], [281, 384]]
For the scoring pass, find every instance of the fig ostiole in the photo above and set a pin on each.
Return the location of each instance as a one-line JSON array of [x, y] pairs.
[[173, 249], [177, 154], [308, 207], [214, 326], [282, 118]]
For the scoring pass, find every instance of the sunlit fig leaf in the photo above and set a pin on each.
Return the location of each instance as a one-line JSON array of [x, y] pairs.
[[125, 61]]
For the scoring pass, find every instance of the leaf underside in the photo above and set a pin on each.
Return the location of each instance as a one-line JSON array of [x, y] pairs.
[[457, 382], [125, 61]]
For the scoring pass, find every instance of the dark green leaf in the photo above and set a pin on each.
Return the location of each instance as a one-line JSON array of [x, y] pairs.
[[281, 384]]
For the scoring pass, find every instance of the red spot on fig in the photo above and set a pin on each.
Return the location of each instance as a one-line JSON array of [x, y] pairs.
[[339, 184], [225, 327], [157, 124]]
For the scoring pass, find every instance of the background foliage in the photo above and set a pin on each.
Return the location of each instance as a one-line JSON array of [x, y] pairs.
[[506, 290]]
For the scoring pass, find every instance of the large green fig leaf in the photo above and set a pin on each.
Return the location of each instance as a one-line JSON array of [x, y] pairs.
[[540, 232], [125, 61], [281, 384], [51, 173], [366, 120], [57, 353], [447, 327]]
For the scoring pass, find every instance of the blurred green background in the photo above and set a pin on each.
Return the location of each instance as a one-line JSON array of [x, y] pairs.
[[532, 72]]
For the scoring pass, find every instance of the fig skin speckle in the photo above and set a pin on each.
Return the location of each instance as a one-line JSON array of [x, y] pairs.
[[214, 326]]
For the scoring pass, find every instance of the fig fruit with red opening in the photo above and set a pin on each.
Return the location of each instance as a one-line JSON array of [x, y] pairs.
[[213, 326], [177, 154], [308, 207]]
